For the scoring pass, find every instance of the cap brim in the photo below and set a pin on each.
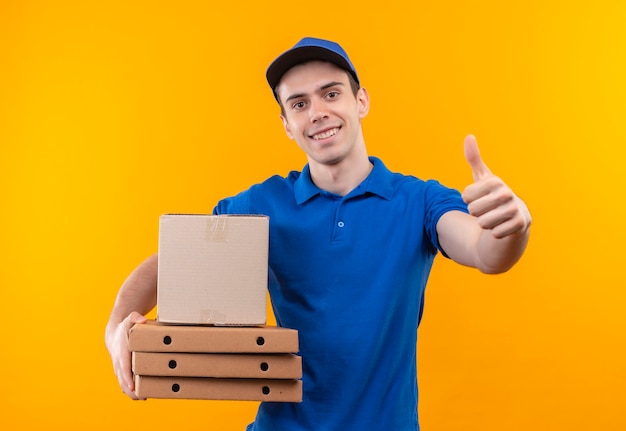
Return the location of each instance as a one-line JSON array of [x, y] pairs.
[[300, 55]]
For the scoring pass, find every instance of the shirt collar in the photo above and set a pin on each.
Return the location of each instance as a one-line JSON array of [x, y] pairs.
[[378, 182], [304, 189]]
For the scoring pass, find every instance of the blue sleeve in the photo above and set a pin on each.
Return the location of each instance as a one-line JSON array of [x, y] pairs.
[[238, 204], [439, 200]]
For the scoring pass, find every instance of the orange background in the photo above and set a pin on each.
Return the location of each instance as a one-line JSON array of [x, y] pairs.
[[112, 113]]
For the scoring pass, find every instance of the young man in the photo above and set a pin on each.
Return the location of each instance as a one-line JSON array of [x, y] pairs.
[[351, 248]]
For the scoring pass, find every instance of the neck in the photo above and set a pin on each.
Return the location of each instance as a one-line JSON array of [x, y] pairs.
[[342, 177]]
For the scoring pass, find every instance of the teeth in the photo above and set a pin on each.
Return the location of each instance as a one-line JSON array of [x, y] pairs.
[[326, 134]]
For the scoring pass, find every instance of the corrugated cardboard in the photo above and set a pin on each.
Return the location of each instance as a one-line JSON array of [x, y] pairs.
[[206, 388], [156, 337], [277, 366], [212, 269]]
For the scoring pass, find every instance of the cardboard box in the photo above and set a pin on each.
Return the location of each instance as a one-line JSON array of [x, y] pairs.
[[207, 388], [156, 337], [212, 269], [277, 366]]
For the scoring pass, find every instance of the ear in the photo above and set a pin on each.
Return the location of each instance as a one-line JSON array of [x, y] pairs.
[[286, 126], [363, 99]]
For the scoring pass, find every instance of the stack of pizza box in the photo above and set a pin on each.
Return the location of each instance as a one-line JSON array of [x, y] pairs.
[[220, 363], [210, 339]]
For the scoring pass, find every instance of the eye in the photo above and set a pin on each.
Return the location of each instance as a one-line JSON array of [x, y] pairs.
[[332, 94], [298, 105]]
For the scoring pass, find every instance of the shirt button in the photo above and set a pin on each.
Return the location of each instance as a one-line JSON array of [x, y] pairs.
[[341, 224]]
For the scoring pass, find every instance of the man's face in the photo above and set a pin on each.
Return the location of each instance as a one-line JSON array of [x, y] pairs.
[[320, 111]]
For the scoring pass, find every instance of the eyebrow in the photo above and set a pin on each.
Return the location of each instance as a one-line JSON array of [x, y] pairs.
[[323, 87]]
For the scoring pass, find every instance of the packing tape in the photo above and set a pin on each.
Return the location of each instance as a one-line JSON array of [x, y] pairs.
[[213, 317], [218, 229]]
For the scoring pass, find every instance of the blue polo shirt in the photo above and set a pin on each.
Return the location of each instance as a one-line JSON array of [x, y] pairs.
[[349, 273]]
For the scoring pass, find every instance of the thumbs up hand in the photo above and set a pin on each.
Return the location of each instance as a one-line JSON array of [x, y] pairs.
[[490, 200]]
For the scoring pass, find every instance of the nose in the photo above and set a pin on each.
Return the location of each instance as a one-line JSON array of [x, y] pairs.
[[318, 110]]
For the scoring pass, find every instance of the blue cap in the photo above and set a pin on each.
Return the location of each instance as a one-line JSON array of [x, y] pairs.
[[309, 49]]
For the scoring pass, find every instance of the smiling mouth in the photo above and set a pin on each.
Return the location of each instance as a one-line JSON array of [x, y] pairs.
[[325, 134]]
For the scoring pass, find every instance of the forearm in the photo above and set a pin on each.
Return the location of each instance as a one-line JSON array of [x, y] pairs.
[[496, 255], [466, 242], [137, 293]]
